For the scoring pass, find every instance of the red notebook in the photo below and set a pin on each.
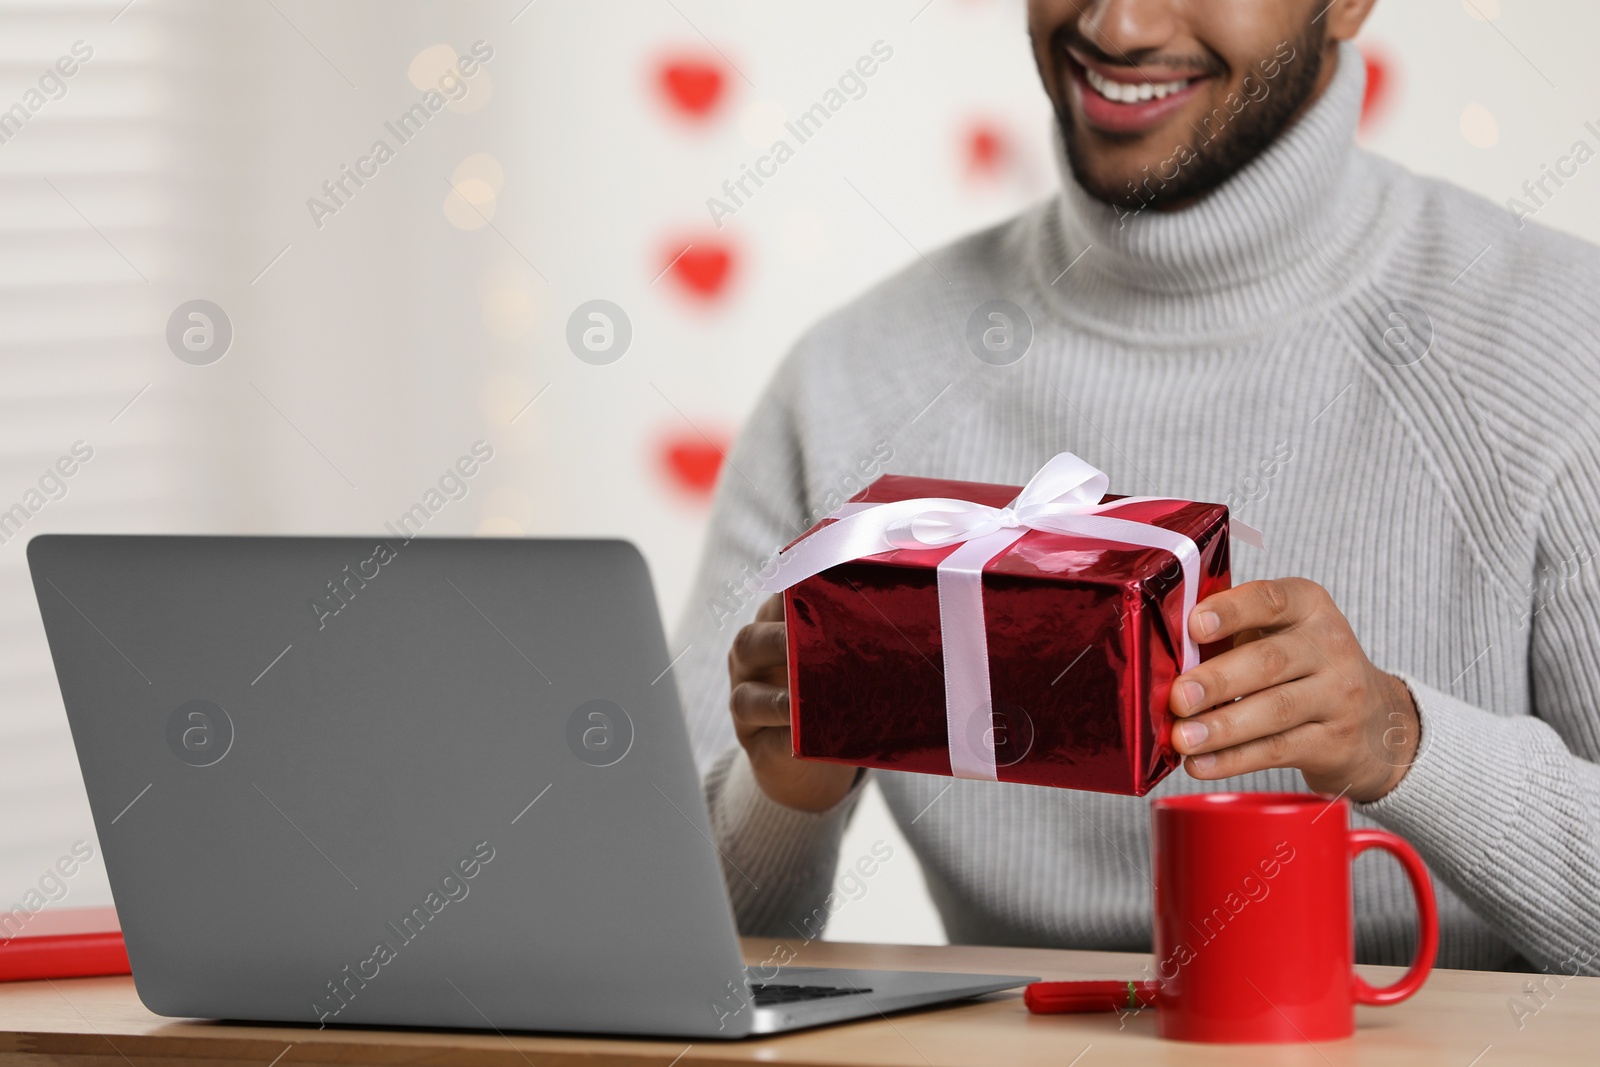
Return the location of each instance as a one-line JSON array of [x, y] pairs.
[[61, 943]]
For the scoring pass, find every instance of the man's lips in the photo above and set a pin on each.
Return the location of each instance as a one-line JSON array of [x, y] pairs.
[[1126, 99]]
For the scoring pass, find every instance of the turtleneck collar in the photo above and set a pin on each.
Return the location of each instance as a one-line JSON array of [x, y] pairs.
[[1289, 230]]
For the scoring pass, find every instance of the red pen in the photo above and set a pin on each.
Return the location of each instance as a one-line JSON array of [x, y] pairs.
[[1054, 998]]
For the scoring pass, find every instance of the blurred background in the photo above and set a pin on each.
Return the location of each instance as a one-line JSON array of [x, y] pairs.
[[368, 316]]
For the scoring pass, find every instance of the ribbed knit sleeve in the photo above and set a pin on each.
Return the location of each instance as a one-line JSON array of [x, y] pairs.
[[760, 499], [1507, 808], [777, 861]]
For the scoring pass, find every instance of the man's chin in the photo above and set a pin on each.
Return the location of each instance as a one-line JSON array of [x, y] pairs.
[[1127, 183]]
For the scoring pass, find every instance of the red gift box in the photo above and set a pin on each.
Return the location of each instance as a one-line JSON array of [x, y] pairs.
[[1083, 634]]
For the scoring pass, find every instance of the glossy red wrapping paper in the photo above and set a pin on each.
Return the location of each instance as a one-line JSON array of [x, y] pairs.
[[1084, 642]]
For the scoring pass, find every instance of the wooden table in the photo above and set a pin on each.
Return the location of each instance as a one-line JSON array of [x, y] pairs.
[[1461, 1019]]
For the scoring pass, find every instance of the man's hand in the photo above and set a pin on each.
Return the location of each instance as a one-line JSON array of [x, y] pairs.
[[758, 671], [1307, 696]]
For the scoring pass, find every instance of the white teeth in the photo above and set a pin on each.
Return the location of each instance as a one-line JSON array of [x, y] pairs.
[[1132, 92]]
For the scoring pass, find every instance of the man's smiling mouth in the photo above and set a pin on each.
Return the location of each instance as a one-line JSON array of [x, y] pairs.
[[1126, 99], [1130, 92]]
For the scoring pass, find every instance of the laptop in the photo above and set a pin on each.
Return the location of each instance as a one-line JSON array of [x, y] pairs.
[[435, 782]]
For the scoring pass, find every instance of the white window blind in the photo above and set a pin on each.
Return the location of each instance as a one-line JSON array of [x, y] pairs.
[[91, 184]]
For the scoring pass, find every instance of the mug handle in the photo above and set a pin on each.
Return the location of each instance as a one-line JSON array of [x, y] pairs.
[[1427, 916]]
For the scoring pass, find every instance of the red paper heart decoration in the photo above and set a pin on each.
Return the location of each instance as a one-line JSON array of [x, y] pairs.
[[987, 150], [1380, 83], [692, 463], [692, 86], [702, 267]]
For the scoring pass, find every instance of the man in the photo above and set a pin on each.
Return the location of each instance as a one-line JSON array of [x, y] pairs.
[[1230, 302]]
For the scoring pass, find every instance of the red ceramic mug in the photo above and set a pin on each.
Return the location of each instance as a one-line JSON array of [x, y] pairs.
[[1254, 936]]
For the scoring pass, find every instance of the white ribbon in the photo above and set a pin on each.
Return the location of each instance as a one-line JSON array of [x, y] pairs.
[[1063, 497]]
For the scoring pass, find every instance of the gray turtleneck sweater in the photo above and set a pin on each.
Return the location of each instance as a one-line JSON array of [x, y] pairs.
[[1438, 473]]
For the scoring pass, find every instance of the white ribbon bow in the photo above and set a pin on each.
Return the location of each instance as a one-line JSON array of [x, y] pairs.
[[1063, 497]]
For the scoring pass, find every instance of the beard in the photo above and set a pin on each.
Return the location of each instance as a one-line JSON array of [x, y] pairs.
[[1212, 157]]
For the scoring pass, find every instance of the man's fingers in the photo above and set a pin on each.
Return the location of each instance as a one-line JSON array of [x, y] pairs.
[[759, 646], [1265, 605], [760, 651], [1243, 670], [757, 705], [1275, 711], [1277, 750]]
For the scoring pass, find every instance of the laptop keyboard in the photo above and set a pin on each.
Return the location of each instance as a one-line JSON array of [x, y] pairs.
[[768, 995]]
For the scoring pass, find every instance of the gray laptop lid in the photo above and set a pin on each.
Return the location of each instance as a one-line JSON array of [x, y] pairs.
[[442, 782]]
